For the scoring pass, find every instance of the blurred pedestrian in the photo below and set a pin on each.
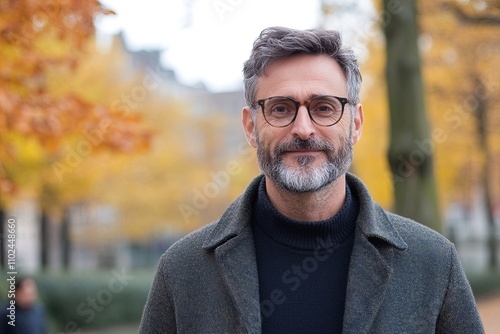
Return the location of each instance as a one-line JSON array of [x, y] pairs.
[[29, 315]]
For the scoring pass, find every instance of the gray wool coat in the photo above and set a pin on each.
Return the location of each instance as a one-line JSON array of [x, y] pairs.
[[403, 278]]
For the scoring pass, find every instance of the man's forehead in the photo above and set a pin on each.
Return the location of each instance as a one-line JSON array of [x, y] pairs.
[[302, 76]]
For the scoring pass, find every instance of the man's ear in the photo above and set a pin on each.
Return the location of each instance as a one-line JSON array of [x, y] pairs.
[[358, 123], [248, 126]]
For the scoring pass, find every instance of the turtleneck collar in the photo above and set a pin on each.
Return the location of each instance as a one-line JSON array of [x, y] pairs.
[[305, 235]]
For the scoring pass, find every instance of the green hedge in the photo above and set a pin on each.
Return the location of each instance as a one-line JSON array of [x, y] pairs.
[[93, 299], [485, 283]]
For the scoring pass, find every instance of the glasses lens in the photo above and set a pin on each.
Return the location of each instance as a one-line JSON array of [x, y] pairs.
[[279, 111], [325, 110]]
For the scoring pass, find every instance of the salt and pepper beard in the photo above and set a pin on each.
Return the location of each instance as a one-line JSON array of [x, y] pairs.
[[305, 177]]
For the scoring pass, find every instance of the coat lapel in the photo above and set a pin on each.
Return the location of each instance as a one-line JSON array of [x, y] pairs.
[[236, 258], [370, 271], [369, 276], [233, 246]]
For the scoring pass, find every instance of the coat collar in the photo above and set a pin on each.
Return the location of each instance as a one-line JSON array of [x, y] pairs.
[[372, 219], [236, 218]]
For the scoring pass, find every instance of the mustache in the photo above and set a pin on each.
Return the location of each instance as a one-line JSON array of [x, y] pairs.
[[298, 144]]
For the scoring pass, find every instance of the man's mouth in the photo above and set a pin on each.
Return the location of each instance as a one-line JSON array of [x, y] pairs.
[[304, 152]]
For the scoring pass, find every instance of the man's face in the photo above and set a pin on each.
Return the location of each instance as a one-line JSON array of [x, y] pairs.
[[303, 156]]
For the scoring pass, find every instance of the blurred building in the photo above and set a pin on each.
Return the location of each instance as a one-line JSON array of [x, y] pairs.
[[202, 102]]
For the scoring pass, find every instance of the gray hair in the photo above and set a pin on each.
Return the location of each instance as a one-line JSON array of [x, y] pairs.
[[278, 42]]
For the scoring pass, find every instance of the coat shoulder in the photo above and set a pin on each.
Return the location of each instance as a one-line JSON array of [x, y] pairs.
[[186, 257], [420, 237], [190, 246]]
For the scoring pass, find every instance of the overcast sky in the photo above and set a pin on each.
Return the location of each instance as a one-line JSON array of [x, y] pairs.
[[204, 40]]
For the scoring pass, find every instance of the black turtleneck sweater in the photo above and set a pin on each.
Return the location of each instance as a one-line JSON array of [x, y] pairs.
[[302, 267]]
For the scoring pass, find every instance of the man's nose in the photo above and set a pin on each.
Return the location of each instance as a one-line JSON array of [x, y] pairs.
[[303, 126]]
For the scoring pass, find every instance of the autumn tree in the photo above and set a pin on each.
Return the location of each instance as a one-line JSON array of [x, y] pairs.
[[461, 54], [45, 135], [410, 159]]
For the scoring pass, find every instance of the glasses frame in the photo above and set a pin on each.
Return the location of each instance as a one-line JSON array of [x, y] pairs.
[[305, 103]]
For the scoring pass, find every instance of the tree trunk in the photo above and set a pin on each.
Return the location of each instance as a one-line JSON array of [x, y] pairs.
[[66, 240], [481, 114], [44, 239], [492, 235], [411, 147]]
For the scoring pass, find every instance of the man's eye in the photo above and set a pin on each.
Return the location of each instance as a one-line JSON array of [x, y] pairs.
[[325, 108], [280, 109]]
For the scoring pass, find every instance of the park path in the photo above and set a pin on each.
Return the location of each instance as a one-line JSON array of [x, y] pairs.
[[489, 309]]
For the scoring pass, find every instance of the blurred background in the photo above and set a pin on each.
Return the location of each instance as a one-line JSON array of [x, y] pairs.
[[120, 133]]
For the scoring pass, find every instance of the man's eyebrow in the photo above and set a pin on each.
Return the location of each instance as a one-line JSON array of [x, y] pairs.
[[309, 97]]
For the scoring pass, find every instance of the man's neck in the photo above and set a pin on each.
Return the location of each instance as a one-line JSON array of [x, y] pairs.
[[311, 206]]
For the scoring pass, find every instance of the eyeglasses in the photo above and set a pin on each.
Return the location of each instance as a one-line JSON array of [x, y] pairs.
[[281, 111]]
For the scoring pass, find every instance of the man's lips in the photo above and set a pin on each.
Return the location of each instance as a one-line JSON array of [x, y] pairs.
[[304, 152]]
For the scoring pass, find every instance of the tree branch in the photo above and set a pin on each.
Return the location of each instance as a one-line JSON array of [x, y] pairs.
[[468, 18]]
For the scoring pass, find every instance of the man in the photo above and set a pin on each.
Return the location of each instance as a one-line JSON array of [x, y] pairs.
[[305, 249], [29, 315]]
